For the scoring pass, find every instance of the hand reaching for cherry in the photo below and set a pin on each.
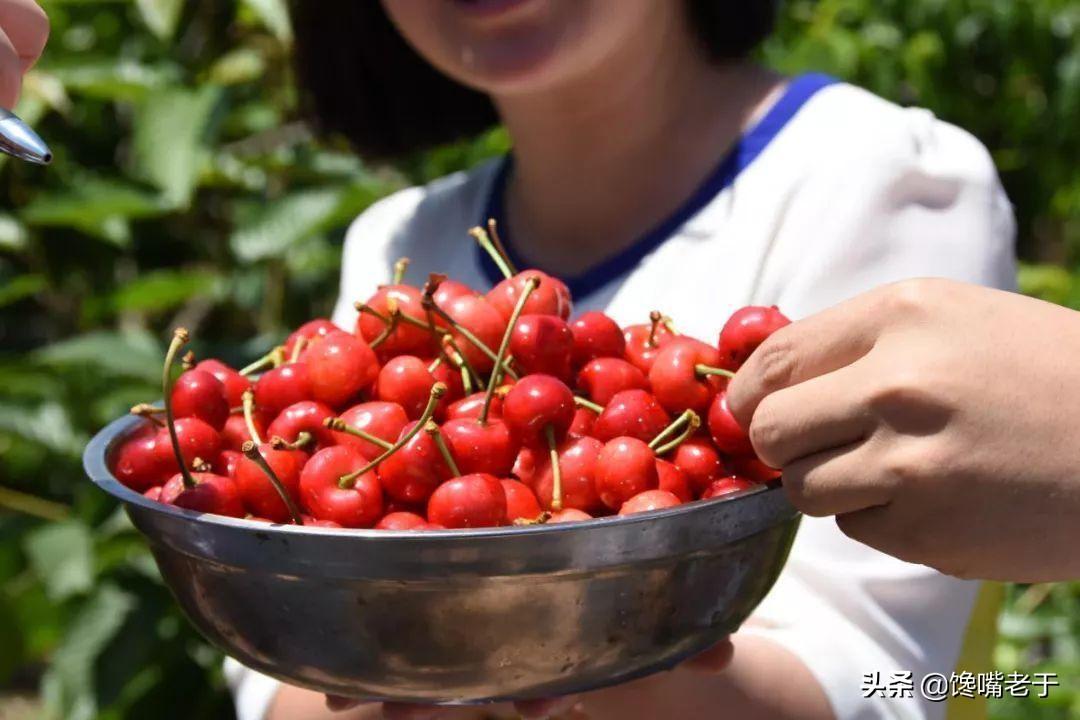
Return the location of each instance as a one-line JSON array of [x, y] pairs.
[[447, 408]]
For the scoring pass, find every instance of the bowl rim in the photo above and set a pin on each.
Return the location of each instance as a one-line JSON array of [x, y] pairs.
[[95, 465]]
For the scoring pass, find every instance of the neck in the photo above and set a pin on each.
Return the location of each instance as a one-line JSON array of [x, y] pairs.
[[600, 161]]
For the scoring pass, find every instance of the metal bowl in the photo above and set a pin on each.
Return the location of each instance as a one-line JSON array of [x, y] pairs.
[[461, 617]]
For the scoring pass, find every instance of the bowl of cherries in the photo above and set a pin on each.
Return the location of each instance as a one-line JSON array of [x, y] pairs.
[[468, 497]]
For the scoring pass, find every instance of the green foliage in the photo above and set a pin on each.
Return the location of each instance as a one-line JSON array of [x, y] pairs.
[[184, 190]]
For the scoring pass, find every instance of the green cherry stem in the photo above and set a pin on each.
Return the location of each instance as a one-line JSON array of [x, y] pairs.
[[303, 439], [399, 269], [263, 362], [496, 240], [440, 442], [297, 348], [149, 412], [467, 334], [482, 239], [336, 423], [556, 471], [180, 338], [588, 404], [705, 370], [251, 452], [655, 319], [437, 391], [689, 422], [531, 284], [249, 415]]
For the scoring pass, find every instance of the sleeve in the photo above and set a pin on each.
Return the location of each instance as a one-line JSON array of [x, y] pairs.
[[252, 692], [915, 198]]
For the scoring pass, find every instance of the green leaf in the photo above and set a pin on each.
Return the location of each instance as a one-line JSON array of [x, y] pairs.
[[274, 15], [117, 354], [169, 140], [164, 290], [95, 206], [48, 424], [61, 555], [68, 685], [242, 65], [278, 225], [21, 287], [160, 16], [113, 79], [13, 234]]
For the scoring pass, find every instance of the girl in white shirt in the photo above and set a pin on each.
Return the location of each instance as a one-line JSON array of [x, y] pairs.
[[654, 167]]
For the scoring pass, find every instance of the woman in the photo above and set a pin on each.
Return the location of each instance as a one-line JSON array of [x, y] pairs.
[[654, 166]]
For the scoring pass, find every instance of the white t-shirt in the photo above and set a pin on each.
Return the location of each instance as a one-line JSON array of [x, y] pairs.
[[832, 192]]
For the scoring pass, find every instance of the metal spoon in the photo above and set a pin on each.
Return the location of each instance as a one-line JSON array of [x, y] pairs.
[[18, 140]]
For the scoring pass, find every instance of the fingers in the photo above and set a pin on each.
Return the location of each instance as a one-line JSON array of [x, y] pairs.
[[837, 481], [819, 414], [539, 709], [10, 72], [713, 660], [817, 345], [881, 529], [408, 711], [27, 27]]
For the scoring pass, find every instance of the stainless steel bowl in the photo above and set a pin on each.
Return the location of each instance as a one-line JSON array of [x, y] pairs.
[[462, 617]]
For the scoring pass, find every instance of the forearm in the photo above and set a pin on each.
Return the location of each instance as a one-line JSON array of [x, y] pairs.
[[764, 681]]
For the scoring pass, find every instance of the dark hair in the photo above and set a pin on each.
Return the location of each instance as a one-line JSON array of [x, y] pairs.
[[359, 78]]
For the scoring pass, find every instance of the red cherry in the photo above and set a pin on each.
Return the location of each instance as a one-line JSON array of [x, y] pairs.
[[235, 383], [340, 366], [725, 486], [601, 379], [412, 473], [358, 505], [537, 402], [305, 416], [235, 433], [552, 297], [701, 463], [455, 389], [487, 448], [310, 331], [212, 493], [577, 465], [405, 380], [406, 338], [140, 464], [469, 501], [747, 328], [483, 321], [470, 407], [402, 521], [649, 500], [196, 439], [315, 522], [584, 421], [674, 378], [226, 463], [384, 420], [543, 344], [643, 342], [525, 466], [197, 393], [625, 467], [596, 335], [153, 493], [725, 429], [752, 469], [521, 503], [569, 515], [258, 493], [672, 479], [450, 290], [635, 413], [281, 387]]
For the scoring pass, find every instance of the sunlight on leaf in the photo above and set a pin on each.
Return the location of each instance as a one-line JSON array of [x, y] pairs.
[[60, 554]]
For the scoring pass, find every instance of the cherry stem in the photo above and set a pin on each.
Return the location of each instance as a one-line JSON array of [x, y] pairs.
[[556, 471], [303, 439], [710, 370], [531, 283], [297, 348], [249, 415], [395, 318], [440, 442], [149, 412], [437, 391], [466, 380], [188, 361], [32, 505], [269, 358], [655, 318], [588, 404], [251, 452], [435, 364], [540, 519], [496, 240], [336, 423], [179, 340], [429, 303], [365, 308], [689, 422], [667, 322], [497, 257], [200, 465], [458, 358], [399, 270]]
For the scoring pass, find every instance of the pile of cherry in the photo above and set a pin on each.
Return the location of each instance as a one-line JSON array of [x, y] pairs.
[[448, 408]]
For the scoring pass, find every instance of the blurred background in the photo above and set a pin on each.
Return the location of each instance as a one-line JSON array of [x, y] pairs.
[[185, 191]]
